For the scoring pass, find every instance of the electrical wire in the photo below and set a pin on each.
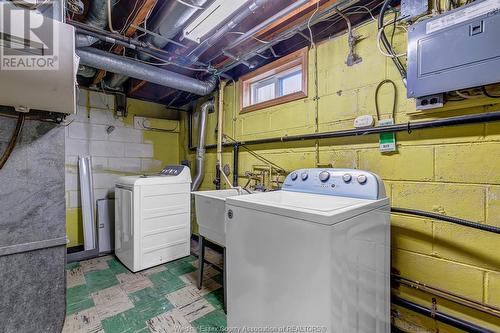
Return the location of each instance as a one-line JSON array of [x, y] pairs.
[[189, 5], [487, 94], [313, 45], [13, 140], [380, 85], [385, 42], [381, 33], [253, 37], [110, 19]]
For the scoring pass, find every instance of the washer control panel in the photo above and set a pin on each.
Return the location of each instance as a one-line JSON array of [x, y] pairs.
[[172, 170], [340, 182]]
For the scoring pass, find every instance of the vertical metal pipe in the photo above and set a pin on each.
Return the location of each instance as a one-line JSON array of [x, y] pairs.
[[236, 152], [200, 150]]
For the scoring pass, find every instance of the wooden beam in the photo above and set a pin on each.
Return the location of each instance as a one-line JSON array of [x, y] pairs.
[[139, 17], [298, 16], [136, 87]]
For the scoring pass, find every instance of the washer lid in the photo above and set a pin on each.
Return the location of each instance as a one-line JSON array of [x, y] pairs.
[[324, 209]]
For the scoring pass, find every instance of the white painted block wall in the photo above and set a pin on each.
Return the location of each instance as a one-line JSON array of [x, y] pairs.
[[123, 151]]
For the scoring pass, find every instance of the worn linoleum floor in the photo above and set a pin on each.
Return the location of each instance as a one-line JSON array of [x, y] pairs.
[[103, 296]]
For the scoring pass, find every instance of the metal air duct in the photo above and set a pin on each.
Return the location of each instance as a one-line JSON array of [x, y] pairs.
[[117, 64]]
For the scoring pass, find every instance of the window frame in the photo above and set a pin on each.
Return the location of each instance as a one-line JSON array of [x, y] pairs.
[[270, 71]]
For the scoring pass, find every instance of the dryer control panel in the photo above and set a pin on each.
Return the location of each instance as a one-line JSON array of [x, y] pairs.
[[340, 182]]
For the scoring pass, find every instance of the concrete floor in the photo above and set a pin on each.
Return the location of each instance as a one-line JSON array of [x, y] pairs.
[[104, 296]]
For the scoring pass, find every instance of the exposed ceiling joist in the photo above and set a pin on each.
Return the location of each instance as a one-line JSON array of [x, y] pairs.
[[142, 12]]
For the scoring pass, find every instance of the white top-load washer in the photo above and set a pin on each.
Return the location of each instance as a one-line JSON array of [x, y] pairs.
[[152, 217], [312, 257]]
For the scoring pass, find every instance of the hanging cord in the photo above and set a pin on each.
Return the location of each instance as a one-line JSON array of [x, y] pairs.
[[394, 100], [313, 45], [13, 140]]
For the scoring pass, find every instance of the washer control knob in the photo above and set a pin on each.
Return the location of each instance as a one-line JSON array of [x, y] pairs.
[[347, 177], [294, 176], [324, 176], [362, 179], [304, 175]]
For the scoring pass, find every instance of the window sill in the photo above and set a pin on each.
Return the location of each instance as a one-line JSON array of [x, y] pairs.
[[273, 102]]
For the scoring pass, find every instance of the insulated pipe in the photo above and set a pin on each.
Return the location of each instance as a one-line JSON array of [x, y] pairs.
[[450, 219], [219, 33], [207, 107], [97, 17], [407, 127], [169, 20], [117, 64]]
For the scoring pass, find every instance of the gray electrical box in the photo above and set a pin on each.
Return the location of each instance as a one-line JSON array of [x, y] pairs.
[[456, 50]]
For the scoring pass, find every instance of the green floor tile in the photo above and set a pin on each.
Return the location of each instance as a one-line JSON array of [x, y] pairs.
[[219, 278], [117, 267], [78, 299], [215, 321], [180, 268], [129, 321], [72, 265], [100, 280], [165, 282], [149, 303], [216, 298]]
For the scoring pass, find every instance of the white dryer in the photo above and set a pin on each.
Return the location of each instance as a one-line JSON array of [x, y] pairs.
[[314, 256], [152, 218]]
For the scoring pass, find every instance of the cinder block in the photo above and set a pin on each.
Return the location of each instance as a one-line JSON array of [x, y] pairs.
[[99, 163], [107, 149], [493, 205], [467, 245], [125, 164], [464, 201], [71, 181], [339, 158], [493, 291], [461, 279], [101, 101], [105, 180], [346, 107], [151, 165], [440, 136], [476, 163], [138, 150], [76, 147], [103, 193], [408, 163], [126, 134], [73, 199], [411, 233], [71, 159]]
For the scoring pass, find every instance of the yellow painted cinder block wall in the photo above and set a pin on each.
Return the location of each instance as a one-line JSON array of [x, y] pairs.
[[453, 171]]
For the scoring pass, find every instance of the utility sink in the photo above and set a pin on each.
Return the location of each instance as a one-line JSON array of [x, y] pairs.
[[210, 209]]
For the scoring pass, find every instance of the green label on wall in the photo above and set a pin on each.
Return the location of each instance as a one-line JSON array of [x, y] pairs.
[[387, 141]]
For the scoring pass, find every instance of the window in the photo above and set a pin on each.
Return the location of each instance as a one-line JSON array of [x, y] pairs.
[[281, 81]]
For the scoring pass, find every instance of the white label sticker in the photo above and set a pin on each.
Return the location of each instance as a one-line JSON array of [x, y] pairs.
[[462, 15]]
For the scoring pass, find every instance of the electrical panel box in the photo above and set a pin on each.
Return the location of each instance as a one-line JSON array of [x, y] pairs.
[[456, 50]]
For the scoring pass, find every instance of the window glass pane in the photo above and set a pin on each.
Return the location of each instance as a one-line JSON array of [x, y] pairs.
[[263, 91], [291, 83]]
